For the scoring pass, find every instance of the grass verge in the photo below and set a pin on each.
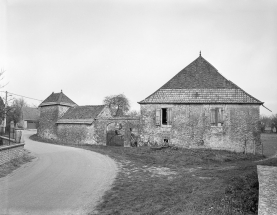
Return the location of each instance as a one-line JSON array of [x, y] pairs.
[[180, 181], [269, 144], [10, 166]]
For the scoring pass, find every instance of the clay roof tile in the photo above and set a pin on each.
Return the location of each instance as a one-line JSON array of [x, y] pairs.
[[200, 82]]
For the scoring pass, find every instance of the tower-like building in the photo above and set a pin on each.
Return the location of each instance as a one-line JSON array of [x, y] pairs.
[[52, 109]]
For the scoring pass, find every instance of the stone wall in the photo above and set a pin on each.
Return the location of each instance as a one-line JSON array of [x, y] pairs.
[[49, 115], [80, 133], [96, 133], [7, 153], [77, 133], [127, 123], [267, 190], [191, 127]]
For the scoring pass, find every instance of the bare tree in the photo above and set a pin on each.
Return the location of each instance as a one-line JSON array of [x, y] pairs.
[[15, 110], [274, 121], [134, 113], [118, 104], [2, 104], [265, 121]]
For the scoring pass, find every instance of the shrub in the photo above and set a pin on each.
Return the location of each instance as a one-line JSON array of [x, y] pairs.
[[242, 194]]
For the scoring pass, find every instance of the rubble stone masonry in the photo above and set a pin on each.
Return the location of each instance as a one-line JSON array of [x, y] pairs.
[[47, 122], [7, 153], [95, 133], [77, 133], [267, 190], [191, 127]]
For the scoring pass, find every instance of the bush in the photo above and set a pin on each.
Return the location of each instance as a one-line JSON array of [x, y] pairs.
[[242, 194]]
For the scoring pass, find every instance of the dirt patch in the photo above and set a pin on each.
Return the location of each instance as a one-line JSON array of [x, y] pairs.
[[160, 171], [128, 168]]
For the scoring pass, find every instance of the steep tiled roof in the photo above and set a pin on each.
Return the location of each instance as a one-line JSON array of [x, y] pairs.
[[29, 113], [200, 82], [81, 114], [58, 99]]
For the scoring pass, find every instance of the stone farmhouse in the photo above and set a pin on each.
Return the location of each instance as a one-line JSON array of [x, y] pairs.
[[199, 108], [63, 120]]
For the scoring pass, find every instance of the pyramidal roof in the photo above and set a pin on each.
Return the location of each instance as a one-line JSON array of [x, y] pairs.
[[58, 99], [200, 82]]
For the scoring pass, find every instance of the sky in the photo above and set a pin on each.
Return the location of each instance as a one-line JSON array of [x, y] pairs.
[[90, 49]]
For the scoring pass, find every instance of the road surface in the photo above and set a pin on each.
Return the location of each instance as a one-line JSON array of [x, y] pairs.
[[61, 180]]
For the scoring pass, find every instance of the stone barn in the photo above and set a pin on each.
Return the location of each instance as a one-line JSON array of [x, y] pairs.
[[199, 108], [63, 120]]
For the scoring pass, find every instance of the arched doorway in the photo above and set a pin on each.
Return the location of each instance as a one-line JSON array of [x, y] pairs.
[[115, 134]]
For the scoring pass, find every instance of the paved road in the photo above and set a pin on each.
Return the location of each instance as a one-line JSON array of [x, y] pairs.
[[61, 180]]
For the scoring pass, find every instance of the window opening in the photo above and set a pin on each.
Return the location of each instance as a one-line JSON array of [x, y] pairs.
[[164, 116], [217, 117]]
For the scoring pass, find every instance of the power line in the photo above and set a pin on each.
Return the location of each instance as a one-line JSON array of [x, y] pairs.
[[22, 96]]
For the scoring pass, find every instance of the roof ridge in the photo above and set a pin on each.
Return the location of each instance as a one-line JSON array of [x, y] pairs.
[[89, 106]]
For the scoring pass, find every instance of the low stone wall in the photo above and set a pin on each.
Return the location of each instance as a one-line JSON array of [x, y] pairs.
[[7, 153], [96, 132], [76, 133], [267, 176]]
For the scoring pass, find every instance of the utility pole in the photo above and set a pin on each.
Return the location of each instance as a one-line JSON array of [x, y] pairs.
[[5, 112]]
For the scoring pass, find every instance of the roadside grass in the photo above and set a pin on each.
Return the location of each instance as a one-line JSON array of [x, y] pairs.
[[269, 144], [10, 166], [180, 181]]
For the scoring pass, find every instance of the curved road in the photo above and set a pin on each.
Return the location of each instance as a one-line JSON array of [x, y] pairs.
[[61, 180]]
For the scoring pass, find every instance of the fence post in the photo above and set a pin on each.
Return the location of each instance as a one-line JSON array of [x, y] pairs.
[[11, 129], [262, 148], [18, 135], [9, 135]]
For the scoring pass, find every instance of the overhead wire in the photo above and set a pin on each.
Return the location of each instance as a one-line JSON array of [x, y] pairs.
[[21, 96]]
